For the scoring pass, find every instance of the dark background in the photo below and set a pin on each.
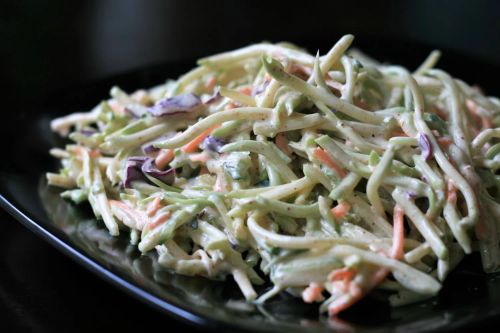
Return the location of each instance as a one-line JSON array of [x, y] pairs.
[[46, 46]]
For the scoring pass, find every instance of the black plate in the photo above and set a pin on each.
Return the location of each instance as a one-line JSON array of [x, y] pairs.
[[469, 297]]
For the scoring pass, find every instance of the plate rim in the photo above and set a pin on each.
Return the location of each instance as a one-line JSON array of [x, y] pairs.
[[175, 311]]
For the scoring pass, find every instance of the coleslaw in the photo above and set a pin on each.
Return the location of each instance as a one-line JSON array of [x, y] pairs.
[[331, 175]]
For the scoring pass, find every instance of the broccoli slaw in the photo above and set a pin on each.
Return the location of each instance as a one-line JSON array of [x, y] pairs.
[[332, 175]]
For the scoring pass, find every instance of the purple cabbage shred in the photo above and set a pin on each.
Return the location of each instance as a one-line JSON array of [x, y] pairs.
[[165, 176], [136, 167], [213, 144], [88, 131], [184, 103], [214, 98], [425, 146], [411, 195], [133, 170]]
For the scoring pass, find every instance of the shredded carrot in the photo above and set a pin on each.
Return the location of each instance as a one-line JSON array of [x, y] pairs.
[[282, 143], [154, 206], [342, 274], [78, 151], [399, 132], [444, 141], [204, 170], [116, 107], [164, 157], [159, 220], [398, 233], [231, 105], [472, 108], [93, 153], [335, 85], [451, 194], [246, 90], [200, 157], [482, 121], [439, 112], [301, 71], [354, 294], [361, 104], [140, 218], [377, 278], [342, 279], [313, 292], [341, 209], [121, 205], [210, 84], [486, 122], [193, 144], [325, 159]]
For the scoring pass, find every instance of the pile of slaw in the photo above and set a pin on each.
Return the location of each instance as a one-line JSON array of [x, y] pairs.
[[332, 175]]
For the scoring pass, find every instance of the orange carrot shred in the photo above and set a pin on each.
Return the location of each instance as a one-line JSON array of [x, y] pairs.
[[472, 108], [210, 84], [204, 170], [282, 143], [439, 112], [399, 132], [444, 142], [341, 209], [361, 104], [343, 278], [159, 220], [486, 122], [193, 144], [353, 295], [116, 107], [139, 217], [246, 90], [94, 153], [335, 85], [164, 157], [451, 194], [154, 206], [398, 233], [342, 274], [325, 159], [378, 277], [313, 292]]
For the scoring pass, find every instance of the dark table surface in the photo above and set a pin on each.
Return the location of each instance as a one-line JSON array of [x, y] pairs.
[[49, 45], [41, 290]]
